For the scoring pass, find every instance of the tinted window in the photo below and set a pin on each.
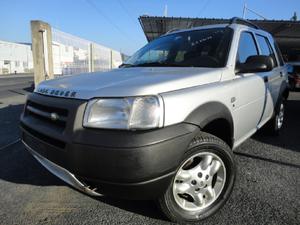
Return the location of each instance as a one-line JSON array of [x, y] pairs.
[[247, 47], [198, 48], [280, 58], [265, 47]]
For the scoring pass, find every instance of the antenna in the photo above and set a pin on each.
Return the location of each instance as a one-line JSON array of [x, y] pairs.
[[251, 10], [166, 11], [244, 11]]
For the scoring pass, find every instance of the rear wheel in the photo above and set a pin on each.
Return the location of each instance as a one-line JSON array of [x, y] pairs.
[[275, 125], [203, 181]]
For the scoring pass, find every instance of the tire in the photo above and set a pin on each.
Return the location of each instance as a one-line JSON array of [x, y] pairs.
[[276, 124], [204, 155]]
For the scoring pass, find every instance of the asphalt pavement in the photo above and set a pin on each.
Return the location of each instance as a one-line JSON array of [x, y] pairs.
[[267, 189]]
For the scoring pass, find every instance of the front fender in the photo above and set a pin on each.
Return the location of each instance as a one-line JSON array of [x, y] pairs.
[[209, 112]]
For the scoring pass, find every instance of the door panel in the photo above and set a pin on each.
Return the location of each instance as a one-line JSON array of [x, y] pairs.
[[254, 95], [275, 81], [250, 105], [268, 98]]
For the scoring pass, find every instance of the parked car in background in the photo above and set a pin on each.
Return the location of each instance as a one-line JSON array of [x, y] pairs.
[[294, 75]]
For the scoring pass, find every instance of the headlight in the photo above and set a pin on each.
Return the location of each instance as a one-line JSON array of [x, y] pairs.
[[124, 113]]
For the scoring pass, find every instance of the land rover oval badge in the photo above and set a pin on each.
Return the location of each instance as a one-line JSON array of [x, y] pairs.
[[54, 116]]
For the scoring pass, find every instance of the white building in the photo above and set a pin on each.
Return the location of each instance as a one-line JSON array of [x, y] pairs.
[[15, 58], [73, 55]]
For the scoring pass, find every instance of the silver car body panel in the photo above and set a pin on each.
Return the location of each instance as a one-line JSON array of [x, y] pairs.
[[248, 97], [132, 81]]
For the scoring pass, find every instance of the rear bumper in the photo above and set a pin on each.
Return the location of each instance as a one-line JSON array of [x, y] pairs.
[[126, 164]]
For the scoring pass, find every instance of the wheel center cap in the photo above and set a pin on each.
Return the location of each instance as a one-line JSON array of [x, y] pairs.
[[201, 184]]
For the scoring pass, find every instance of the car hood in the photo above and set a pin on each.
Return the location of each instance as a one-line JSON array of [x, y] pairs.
[[128, 82]]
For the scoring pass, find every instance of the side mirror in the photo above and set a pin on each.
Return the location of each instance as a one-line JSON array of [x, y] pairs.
[[255, 64]]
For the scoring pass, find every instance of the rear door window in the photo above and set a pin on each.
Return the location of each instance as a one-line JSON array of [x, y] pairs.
[[280, 58], [265, 48]]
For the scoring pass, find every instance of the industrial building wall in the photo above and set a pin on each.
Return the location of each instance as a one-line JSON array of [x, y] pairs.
[[15, 58]]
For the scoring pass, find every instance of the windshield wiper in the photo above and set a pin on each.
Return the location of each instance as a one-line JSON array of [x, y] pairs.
[[126, 65]]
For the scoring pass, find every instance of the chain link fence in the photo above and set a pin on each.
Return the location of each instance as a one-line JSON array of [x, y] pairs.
[[102, 60], [74, 55]]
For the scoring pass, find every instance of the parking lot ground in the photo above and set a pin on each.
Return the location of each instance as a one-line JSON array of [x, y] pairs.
[[267, 189]]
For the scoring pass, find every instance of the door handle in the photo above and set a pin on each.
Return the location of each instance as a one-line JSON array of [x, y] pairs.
[[281, 74], [266, 79]]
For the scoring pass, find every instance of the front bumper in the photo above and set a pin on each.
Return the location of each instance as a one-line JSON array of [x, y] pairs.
[[126, 164], [62, 173]]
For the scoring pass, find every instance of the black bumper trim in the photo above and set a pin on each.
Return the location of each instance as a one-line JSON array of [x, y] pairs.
[[121, 163]]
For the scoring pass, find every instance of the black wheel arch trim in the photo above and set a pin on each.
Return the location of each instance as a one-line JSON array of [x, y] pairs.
[[283, 94], [210, 112]]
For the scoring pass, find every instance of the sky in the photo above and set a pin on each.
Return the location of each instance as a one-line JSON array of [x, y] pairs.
[[114, 23]]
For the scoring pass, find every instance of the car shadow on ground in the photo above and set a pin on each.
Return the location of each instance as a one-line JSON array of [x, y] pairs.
[[29, 88], [145, 208], [16, 164], [289, 138], [9, 125]]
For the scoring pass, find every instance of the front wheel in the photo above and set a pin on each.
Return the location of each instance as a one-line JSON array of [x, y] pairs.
[[203, 181]]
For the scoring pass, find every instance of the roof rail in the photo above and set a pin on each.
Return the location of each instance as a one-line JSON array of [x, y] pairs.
[[238, 20]]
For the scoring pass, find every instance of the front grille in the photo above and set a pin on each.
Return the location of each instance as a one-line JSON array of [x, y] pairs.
[[34, 144], [52, 116], [38, 120]]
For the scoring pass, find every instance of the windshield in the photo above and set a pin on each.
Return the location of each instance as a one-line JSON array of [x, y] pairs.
[[197, 48]]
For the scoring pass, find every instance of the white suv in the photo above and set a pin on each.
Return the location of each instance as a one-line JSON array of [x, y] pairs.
[[164, 125]]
